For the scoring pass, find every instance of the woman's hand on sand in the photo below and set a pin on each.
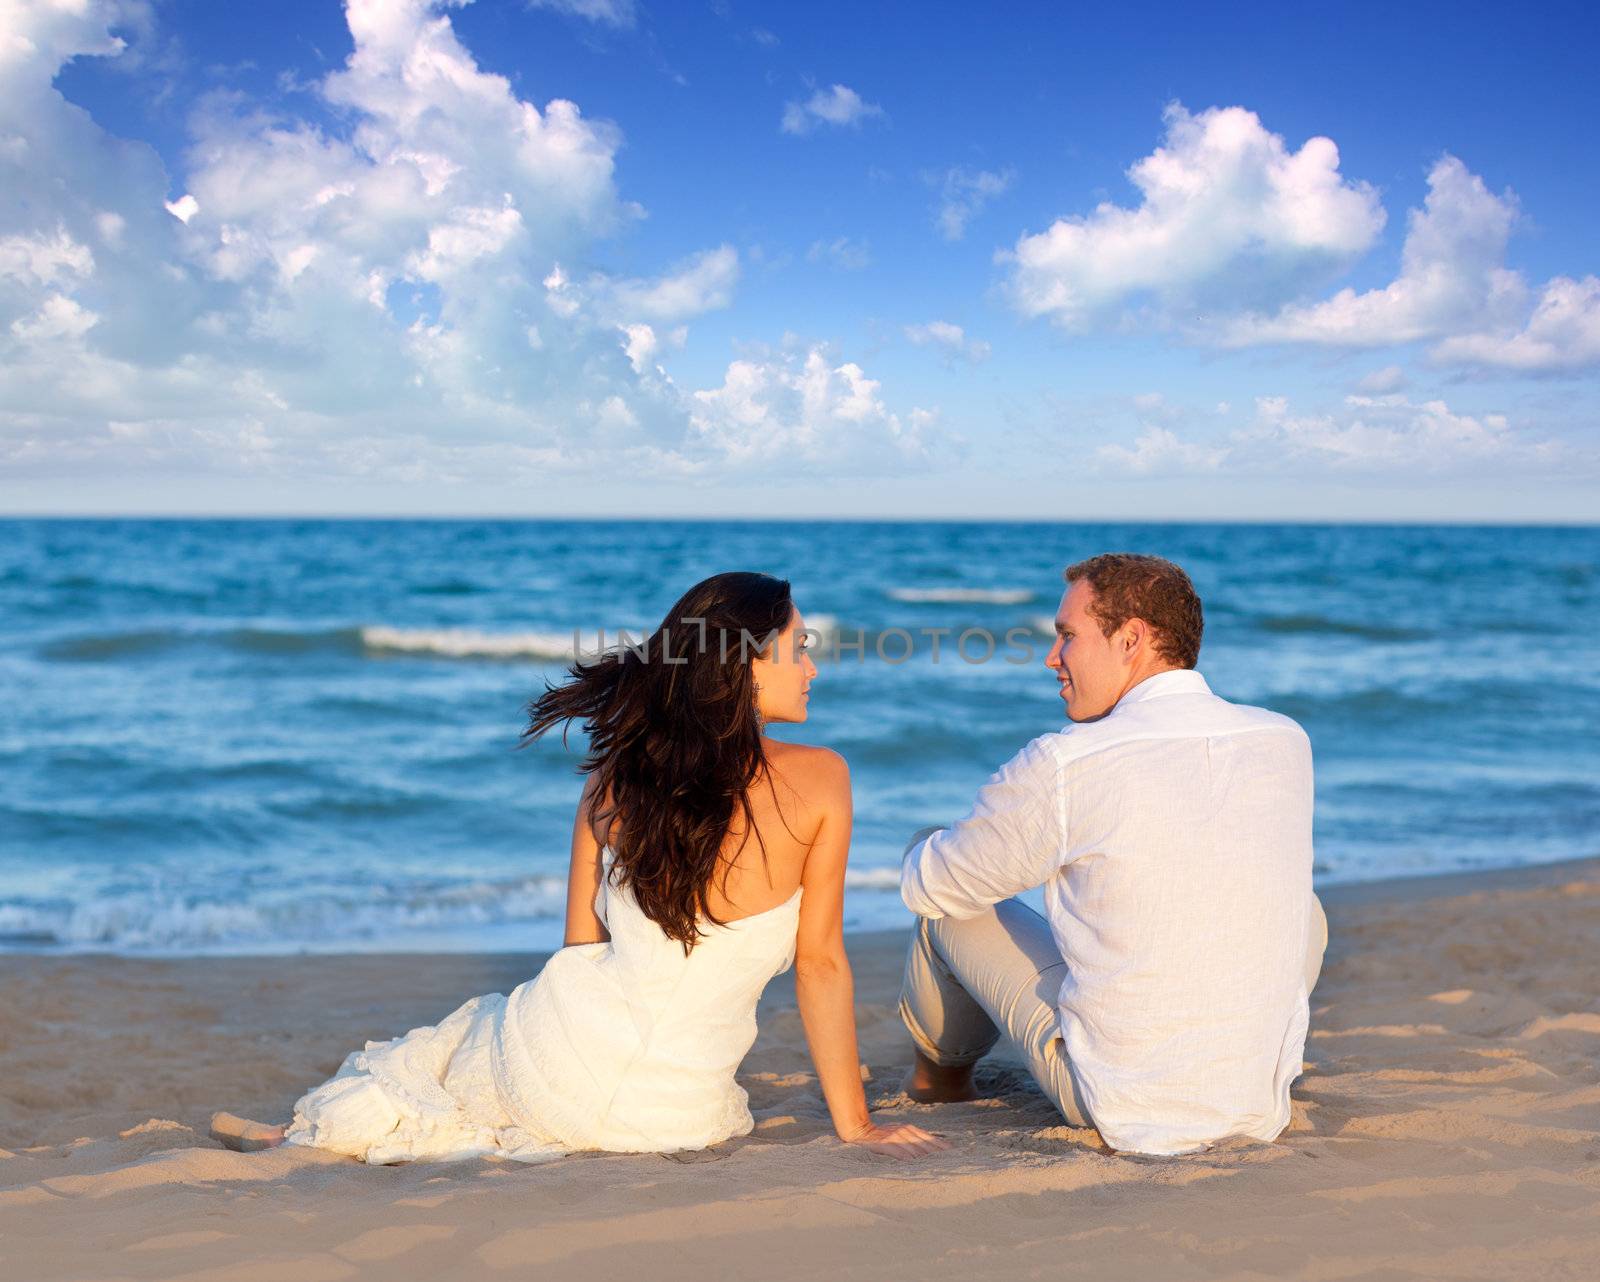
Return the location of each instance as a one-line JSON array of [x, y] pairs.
[[898, 1139]]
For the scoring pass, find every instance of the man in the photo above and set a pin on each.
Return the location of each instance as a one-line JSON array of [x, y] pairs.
[[1165, 999]]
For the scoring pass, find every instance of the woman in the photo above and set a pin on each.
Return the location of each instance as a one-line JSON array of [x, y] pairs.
[[705, 858]]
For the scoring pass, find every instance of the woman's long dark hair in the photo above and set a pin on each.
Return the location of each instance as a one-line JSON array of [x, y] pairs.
[[674, 741]]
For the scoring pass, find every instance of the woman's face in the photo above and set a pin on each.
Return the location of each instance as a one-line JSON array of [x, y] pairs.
[[784, 674]]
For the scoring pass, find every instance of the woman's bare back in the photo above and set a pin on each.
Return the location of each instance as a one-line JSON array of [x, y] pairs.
[[787, 802]]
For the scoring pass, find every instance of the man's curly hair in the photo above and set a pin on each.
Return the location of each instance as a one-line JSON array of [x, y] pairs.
[[1129, 585]]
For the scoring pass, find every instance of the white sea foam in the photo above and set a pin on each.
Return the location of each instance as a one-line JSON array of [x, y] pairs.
[[961, 596], [470, 916], [164, 921], [469, 643], [872, 878], [824, 625]]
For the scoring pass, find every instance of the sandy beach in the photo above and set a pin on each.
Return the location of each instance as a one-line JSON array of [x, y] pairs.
[[1447, 1126]]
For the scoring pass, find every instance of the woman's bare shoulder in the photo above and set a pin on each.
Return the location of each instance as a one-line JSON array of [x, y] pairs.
[[806, 758], [818, 774]]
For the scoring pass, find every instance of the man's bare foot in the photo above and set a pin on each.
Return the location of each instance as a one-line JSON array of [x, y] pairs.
[[931, 1083], [242, 1135]]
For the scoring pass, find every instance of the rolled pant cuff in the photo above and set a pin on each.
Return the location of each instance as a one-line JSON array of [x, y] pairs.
[[931, 1053]]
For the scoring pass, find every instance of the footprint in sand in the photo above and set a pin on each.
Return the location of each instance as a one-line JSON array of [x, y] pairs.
[[172, 1241], [386, 1243]]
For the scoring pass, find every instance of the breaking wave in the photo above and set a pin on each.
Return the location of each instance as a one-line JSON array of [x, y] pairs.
[[514, 914], [961, 596]]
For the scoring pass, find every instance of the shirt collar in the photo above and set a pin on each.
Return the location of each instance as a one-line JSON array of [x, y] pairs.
[[1172, 681]]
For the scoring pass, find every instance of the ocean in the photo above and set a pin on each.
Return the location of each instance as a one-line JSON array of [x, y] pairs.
[[241, 736]]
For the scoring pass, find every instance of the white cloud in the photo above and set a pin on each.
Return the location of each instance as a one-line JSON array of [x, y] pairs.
[[1563, 334], [1233, 228], [184, 208], [704, 283], [1227, 211], [963, 195], [443, 177], [1391, 378], [57, 317], [609, 13], [44, 260], [644, 344], [841, 252], [641, 346], [615, 417], [82, 222], [1453, 288], [1450, 272], [402, 293], [1380, 432], [467, 234], [1364, 435], [950, 339], [836, 105], [559, 295], [801, 411], [1158, 450]]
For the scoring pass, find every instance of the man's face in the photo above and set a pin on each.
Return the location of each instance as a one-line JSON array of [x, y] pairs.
[[1091, 676]]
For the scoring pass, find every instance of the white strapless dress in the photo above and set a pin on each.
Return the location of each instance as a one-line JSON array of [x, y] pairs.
[[627, 1046]]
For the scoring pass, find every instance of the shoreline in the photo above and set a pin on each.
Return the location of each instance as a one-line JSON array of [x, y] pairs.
[[1424, 884], [1447, 1123]]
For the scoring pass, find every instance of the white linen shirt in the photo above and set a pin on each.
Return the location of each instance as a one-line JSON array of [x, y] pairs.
[[1173, 841]]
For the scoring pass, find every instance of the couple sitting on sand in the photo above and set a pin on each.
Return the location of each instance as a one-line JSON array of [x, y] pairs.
[[1161, 1000]]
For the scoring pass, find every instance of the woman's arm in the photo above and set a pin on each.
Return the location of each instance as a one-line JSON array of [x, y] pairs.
[[823, 983], [583, 877]]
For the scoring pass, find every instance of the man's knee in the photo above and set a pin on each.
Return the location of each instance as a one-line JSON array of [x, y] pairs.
[[947, 1023], [927, 953]]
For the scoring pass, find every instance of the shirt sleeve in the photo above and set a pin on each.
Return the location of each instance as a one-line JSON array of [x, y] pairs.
[[1013, 840]]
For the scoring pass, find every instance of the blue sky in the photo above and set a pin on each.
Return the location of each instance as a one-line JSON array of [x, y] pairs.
[[587, 256]]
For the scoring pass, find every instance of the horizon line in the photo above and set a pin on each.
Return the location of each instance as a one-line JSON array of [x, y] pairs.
[[767, 519]]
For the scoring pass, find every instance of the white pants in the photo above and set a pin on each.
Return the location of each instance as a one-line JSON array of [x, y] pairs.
[[969, 980]]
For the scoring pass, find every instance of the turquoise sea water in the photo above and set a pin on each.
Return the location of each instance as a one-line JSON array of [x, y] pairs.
[[262, 736]]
